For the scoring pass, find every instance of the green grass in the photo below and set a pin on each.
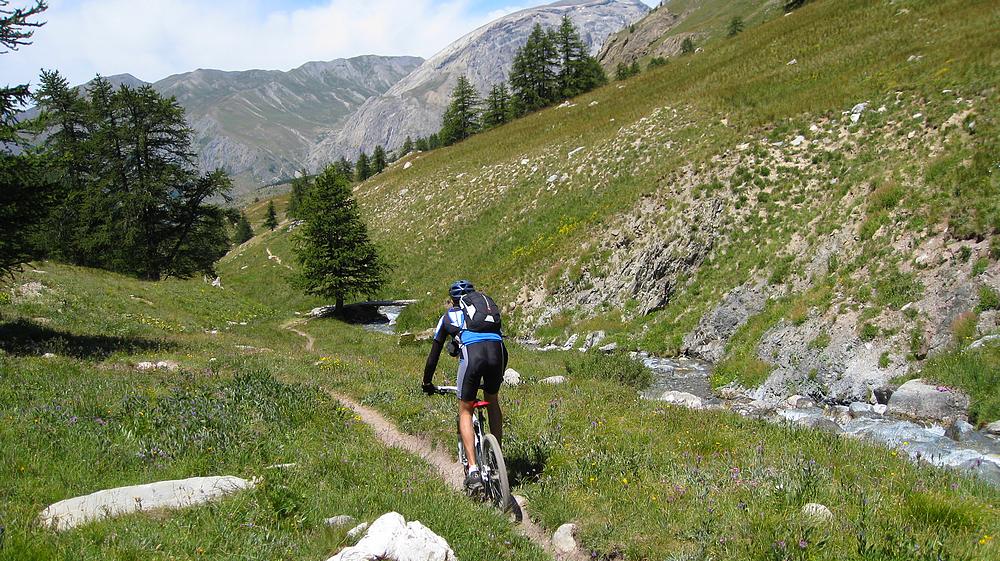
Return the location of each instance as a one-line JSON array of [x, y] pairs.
[[245, 397], [975, 371]]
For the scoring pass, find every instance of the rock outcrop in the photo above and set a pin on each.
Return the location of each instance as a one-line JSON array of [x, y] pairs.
[[109, 503], [392, 537], [921, 401], [414, 106]]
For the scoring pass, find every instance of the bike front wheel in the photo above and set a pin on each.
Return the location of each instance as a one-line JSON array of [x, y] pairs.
[[496, 484]]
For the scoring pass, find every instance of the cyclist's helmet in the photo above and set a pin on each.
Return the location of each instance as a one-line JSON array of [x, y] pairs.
[[460, 288]]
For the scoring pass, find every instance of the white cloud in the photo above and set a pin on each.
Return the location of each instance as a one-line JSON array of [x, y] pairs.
[[152, 39]]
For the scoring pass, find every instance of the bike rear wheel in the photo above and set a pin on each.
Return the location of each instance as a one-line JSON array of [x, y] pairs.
[[496, 484]]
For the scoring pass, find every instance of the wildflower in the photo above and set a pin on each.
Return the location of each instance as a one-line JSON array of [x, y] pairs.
[[625, 480], [803, 544], [985, 539]]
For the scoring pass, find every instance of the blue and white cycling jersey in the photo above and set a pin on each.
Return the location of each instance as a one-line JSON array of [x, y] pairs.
[[453, 323]]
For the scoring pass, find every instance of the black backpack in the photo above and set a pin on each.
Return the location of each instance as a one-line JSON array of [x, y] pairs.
[[482, 315]]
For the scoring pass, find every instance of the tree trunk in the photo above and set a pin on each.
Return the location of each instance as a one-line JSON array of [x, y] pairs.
[[340, 303]]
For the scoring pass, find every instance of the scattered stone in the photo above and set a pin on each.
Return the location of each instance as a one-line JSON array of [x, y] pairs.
[[793, 62], [880, 409], [564, 539], [985, 341], [217, 283], [168, 365], [823, 424], [322, 311], [841, 414], [609, 348], [282, 466], [29, 291], [915, 58], [729, 393], [512, 377], [800, 402], [861, 410], [983, 469], [408, 165], [992, 429], [817, 512], [960, 431], [49, 355], [857, 110], [921, 401], [571, 342], [592, 340], [594, 103], [391, 537], [553, 380], [356, 531], [407, 339], [70, 513], [762, 407], [340, 521], [574, 151], [553, 178], [798, 140], [686, 399]]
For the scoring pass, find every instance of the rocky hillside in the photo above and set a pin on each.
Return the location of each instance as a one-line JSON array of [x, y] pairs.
[[779, 205], [663, 30], [414, 106]]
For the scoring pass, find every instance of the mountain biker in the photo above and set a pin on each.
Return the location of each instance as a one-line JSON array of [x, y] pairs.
[[473, 322]]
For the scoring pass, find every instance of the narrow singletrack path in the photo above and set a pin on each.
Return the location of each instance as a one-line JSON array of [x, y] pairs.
[[447, 467]]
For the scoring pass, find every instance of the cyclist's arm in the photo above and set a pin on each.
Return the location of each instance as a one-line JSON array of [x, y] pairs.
[[444, 328]]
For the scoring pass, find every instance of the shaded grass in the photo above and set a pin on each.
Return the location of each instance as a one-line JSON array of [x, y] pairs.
[[977, 371]]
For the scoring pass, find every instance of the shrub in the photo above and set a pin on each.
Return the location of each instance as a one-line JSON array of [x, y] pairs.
[[964, 253], [964, 328], [989, 299], [886, 197], [617, 367], [896, 289], [868, 332], [781, 271], [687, 46], [883, 360], [656, 62], [980, 266]]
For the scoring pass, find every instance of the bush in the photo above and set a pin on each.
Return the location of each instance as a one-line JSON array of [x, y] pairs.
[[964, 328], [656, 62], [989, 299], [617, 367], [980, 266], [868, 332], [897, 289]]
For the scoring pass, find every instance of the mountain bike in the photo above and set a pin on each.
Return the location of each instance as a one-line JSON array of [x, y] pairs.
[[492, 468]]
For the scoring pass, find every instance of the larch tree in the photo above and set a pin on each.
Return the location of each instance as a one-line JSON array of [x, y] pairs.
[[337, 257], [272, 216], [461, 119]]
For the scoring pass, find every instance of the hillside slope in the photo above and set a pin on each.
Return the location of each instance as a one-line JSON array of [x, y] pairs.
[[812, 210]]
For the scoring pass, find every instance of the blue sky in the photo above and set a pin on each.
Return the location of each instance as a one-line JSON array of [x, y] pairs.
[[152, 39]]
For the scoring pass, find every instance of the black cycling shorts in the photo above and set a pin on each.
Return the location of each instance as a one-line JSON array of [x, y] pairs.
[[482, 364]]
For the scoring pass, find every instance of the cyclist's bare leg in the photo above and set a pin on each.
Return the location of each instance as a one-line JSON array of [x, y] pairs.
[[465, 409], [496, 415]]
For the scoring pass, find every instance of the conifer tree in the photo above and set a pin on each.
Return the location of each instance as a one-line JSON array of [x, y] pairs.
[[363, 169], [735, 26], [498, 107], [407, 147], [25, 185], [422, 144], [336, 255], [244, 232], [572, 59], [345, 166], [533, 80], [272, 216], [687, 46], [379, 162], [461, 119], [300, 185]]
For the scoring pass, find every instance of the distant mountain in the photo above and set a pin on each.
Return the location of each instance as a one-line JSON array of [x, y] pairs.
[[259, 125], [414, 106]]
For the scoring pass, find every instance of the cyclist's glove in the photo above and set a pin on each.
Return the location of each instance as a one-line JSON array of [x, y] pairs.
[[428, 389]]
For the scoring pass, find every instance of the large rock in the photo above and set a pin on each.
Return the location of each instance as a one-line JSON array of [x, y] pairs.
[[392, 537], [512, 377], [564, 539], [921, 401], [109, 503], [553, 380], [708, 340], [688, 400], [817, 512]]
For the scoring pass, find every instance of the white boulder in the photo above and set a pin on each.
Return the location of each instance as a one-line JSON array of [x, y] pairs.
[[391, 537], [921, 401], [564, 539], [688, 400], [553, 380], [512, 377], [340, 521], [70, 513], [817, 512]]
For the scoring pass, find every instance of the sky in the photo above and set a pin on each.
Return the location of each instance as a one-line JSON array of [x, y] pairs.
[[153, 39]]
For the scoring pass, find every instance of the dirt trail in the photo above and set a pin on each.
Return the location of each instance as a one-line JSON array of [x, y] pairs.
[[448, 468]]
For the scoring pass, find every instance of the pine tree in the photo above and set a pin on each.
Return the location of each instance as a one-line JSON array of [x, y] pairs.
[[379, 162], [363, 169], [272, 216], [25, 184], [572, 55], [687, 46], [407, 147], [244, 232], [498, 107], [336, 255], [534, 82], [735, 26], [422, 144], [345, 166], [626, 71], [300, 185], [461, 119], [656, 62]]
